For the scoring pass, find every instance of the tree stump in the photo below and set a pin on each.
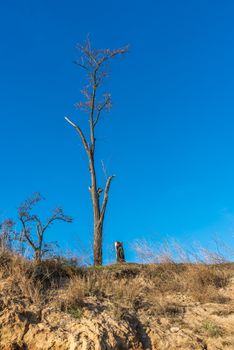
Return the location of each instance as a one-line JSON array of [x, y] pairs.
[[119, 252]]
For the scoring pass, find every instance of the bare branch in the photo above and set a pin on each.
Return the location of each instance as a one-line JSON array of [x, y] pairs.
[[81, 64], [99, 56], [78, 129], [26, 234], [94, 60], [111, 54], [39, 223], [105, 198], [26, 207], [91, 122], [57, 215], [106, 104]]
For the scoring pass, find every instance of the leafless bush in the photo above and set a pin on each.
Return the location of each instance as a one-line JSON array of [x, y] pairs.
[[33, 228]]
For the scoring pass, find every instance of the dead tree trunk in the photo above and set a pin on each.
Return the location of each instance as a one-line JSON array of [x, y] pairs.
[[93, 62], [120, 258]]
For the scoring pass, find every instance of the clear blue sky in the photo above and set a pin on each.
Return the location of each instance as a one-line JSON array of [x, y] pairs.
[[169, 138]]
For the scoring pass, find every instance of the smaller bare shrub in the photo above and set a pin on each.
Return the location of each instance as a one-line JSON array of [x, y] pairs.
[[173, 310]]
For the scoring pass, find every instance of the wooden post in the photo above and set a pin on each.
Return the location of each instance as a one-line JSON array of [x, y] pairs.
[[119, 252]]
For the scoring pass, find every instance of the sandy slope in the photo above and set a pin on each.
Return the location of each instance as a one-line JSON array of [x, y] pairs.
[[103, 326]]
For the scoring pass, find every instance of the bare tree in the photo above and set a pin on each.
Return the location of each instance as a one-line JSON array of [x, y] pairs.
[[33, 229], [94, 64]]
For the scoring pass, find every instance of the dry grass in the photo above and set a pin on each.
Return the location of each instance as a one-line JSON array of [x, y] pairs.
[[122, 287], [132, 287], [29, 282], [171, 251]]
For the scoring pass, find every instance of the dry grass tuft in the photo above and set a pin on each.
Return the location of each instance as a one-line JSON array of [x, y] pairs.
[[72, 296]]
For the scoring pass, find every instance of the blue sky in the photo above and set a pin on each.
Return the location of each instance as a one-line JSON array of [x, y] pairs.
[[169, 137]]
